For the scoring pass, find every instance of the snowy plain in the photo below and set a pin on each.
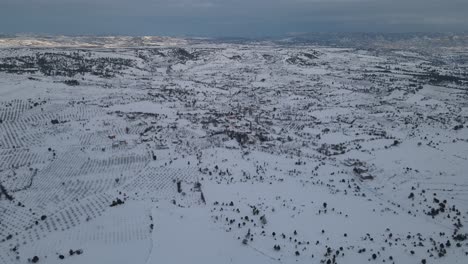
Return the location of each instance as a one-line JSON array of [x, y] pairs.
[[183, 152]]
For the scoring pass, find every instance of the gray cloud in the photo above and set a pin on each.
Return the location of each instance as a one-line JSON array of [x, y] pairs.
[[230, 17]]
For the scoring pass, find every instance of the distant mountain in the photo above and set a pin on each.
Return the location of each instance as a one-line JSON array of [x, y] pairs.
[[349, 40], [389, 40], [87, 41]]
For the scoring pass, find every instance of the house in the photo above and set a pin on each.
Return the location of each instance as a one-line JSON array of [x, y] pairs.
[[362, 173], [365, 176], [360, 169]]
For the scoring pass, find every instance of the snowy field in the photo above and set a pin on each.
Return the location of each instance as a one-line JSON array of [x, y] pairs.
[[199, 152]]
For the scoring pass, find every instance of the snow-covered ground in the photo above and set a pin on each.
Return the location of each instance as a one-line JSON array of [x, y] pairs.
[[231, 153]]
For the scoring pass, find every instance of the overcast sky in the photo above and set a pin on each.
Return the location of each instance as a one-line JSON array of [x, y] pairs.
[[247, 18]]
